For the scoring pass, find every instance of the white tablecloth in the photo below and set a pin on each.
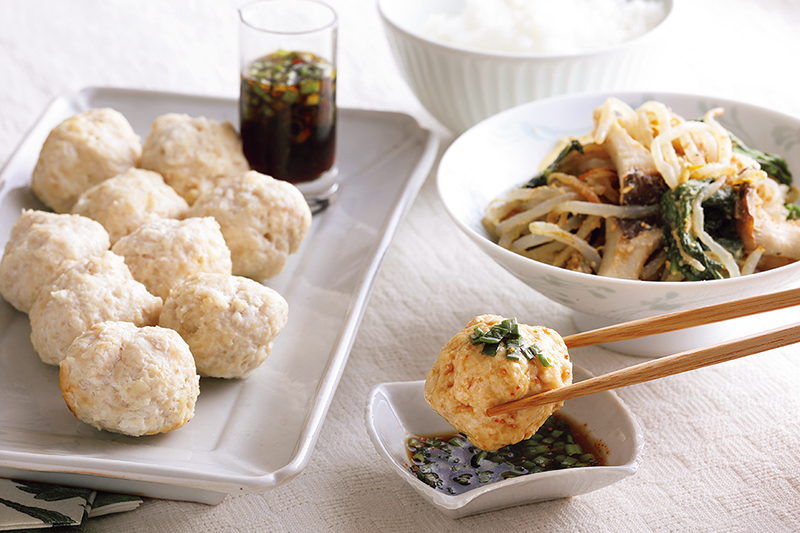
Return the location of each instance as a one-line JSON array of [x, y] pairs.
[[722, 444]]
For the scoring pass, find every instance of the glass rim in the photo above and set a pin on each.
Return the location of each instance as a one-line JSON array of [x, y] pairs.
[[332, 24]]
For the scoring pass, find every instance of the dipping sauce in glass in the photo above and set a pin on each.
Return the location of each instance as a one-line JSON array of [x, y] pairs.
[[287, 110], [450, 464]]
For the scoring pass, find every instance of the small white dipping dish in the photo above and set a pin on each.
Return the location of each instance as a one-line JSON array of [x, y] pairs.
[[460, 86], [505, 151], [397, 411]]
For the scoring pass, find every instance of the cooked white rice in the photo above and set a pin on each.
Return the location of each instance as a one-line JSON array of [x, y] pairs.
[[546, 26]]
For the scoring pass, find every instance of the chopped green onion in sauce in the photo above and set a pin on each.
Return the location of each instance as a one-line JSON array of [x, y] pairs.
[[452, 465]]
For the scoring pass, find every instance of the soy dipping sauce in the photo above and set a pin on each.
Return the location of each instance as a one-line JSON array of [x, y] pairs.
[[287, 111], [450, 464]]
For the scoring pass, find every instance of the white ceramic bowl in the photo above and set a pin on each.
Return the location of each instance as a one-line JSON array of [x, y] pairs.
[[397, 411], [461, 86], [505, 151]]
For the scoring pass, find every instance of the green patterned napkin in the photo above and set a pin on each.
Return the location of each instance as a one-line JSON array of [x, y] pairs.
[[26, 505]]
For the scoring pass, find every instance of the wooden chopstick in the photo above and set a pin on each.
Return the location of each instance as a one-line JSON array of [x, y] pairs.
[[659, 368], [685, 319]]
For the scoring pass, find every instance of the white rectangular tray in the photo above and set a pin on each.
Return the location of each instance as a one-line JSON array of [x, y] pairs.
[[247, 435]]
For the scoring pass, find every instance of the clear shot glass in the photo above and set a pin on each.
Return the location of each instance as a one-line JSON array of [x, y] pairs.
[[287, 99]]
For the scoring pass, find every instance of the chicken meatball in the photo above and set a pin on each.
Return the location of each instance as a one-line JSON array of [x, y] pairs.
[[229, 322], [164, 253], [131, 199], [94, 290], [464, 382], [129, 380], [81, 152], [192, 152], [264, 220], [41, 244]]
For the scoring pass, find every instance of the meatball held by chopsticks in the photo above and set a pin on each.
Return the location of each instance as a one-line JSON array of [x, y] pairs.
[[494, 361]]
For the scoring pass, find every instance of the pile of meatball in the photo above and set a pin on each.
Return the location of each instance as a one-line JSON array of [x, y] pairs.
[[146, 269]]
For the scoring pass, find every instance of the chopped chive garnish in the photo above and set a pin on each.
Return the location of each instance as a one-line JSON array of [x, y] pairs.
[[490, 349], [573, 449], [539, 354], [457, 441], [463, 479], [507, 331], [480, 457]]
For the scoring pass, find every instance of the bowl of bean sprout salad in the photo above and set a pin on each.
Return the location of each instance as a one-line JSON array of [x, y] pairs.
[[623, 206]]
